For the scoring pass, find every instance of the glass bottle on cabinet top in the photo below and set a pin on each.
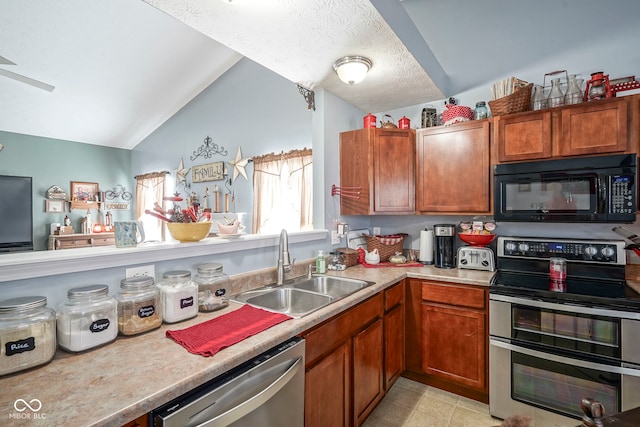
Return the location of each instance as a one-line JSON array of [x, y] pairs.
[[556, 97], [574, 91], [538, 100]]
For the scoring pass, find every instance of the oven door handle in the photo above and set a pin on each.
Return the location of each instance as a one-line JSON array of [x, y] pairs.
[[567, 307], [566, 360]]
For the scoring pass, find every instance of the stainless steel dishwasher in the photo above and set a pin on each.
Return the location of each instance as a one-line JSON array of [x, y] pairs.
[[267, 390]]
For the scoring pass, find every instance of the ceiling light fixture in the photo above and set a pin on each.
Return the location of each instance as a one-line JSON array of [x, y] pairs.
[[352, 69]]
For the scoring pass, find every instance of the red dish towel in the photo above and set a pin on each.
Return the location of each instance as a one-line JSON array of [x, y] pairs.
[[208, 338]]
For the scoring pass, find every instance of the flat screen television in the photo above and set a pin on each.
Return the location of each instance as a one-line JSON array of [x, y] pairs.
[[16, 213]]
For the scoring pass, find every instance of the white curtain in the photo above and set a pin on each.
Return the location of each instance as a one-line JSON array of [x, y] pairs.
[[282, 192], [150, 189]]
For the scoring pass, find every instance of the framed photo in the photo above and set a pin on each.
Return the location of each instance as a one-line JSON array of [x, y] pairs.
[[54, 206], [84, 191]]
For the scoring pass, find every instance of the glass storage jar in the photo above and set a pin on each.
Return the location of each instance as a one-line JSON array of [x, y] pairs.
[[481, 111], [139, 308], [336, 261], [212, 287], [88, 319], [179, 296], [27, 333]]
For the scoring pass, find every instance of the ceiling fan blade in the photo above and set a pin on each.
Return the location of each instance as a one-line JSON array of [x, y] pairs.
[[27, 80], [5, 61]]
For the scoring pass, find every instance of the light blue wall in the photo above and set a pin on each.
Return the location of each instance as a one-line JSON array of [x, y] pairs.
[[248, 107], [56, 162]]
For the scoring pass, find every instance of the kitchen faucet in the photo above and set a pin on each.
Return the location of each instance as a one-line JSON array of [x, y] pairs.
[[285, 265]]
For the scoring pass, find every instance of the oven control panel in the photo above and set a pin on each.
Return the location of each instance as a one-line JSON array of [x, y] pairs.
[[601, 251]]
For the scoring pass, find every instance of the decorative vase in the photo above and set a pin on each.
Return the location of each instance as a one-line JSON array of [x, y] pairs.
[[538, 100], [556, 97], [574, 92]]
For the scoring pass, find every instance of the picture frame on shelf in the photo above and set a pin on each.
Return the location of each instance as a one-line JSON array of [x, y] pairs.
[[54, 206], [84, 191]]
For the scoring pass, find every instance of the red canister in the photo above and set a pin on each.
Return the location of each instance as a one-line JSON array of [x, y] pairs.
[[369, 121], [404, 123]]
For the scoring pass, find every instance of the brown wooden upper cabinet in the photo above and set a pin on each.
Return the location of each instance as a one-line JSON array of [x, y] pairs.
[[453, 173], [598, 127], [377, 166]]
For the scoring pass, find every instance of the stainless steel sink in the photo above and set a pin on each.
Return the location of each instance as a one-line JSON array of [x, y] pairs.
[[337, 287], [294, 302], [301, 296]]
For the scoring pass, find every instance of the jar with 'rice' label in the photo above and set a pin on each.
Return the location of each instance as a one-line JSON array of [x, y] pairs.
[[139, 308], [88, 319], [179, 296], [27, 333], [213, 285]]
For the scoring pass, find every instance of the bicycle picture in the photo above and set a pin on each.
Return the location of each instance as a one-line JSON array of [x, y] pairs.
[[114, 193]]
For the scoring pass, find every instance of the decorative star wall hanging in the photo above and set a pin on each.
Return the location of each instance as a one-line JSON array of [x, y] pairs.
[[239, 164], [181, 174]]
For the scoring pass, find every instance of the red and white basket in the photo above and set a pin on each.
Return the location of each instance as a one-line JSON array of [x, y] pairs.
[[456, 114]]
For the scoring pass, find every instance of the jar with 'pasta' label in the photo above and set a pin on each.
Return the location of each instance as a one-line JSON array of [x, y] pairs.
[[139, 308]]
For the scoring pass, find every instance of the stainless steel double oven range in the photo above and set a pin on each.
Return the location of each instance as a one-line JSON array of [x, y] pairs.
[[551, 348]]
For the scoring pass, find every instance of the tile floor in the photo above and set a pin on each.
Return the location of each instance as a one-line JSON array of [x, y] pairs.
[[411, 403]]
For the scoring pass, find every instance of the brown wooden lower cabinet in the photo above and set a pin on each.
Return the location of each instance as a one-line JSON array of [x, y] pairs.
[[348, 362], [327, 390], [141, 421], [393, 334], [368, 371], [446, 337]]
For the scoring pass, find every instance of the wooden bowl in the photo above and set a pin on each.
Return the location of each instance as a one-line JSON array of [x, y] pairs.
[[189, 231]]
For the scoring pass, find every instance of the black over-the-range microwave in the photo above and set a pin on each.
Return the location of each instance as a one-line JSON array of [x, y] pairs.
[[586, 189]]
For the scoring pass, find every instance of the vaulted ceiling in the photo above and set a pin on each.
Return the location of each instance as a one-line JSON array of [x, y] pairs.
[[121, 68]]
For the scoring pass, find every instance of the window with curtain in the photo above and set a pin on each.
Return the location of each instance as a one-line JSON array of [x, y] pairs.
[[282, 192], [150, 189]]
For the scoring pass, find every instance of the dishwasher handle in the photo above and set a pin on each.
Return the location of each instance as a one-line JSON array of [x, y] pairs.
[[257, 400]]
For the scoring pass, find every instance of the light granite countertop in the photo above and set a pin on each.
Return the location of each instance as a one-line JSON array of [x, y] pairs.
[[116, 383]]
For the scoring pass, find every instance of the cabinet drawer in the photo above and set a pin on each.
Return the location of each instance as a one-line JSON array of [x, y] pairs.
[[76, 243], [465, 296], [393, 296], [104, 241], [328, 336]]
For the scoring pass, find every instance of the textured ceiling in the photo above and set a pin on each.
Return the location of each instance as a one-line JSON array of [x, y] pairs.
[[121, 68], [300, 40]]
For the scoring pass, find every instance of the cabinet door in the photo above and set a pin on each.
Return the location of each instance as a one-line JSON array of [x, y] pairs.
[[454, 344], [393, 345], [594, 128], [356, 171], [327, 390], [523, 136], [453, 169], [368, 388], [394, 177], [377, 169], [141, 421]]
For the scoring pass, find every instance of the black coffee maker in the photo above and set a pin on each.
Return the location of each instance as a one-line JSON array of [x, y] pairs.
[[445, 242]]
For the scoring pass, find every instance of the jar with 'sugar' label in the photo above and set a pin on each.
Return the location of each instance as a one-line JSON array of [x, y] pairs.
[[139, 308], [88, 319], [27, 333]]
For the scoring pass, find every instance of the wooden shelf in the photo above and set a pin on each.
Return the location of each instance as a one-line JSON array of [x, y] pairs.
[[84, 205]]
